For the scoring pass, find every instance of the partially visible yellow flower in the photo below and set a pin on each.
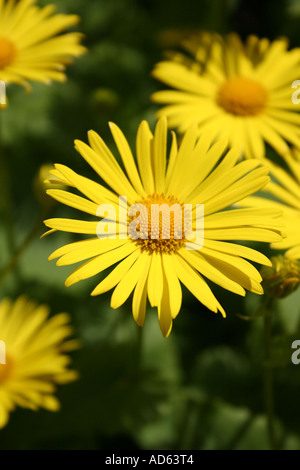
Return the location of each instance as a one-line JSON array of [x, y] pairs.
[[33, 357], [243, 92], [155, 263], [31, 44], [193, 48], [285, 193], [41, 183]]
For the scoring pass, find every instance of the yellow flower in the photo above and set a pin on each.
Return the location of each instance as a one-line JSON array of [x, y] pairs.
[[285, 193], [154, 266], [41, 184], [32, 356], [240, 91], [193, 49], [31, 46]]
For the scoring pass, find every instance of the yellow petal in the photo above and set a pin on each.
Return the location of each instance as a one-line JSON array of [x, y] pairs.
[[129, 281]]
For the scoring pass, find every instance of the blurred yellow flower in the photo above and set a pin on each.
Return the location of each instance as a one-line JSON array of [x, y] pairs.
[[41, 184], [239, 91], [189, 47], [153, 264], [33, 356], [285, 193], [31, 46]]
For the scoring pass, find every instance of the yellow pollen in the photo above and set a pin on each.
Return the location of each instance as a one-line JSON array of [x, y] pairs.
[[6, 370], [158, 225], [7, 52], [242, 97]]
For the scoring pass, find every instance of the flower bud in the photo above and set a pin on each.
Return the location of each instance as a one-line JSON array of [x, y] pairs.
[[43, 181], [282, 278]]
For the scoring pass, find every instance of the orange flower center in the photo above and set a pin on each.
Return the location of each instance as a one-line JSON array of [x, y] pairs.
[[158, 225], [6, 369], [7, 52], [242, 97]]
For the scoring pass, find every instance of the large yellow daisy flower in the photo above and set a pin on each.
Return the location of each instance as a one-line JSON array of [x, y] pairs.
[[33, 356], [31, 46], [155, 263], [243, 92], [284, 191]]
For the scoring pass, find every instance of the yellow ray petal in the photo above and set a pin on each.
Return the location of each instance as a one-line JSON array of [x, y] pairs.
[[155, 280], [129, 281], [127, 158], [199, 262], [196, 284], [100, 263], [116, 274], [159, 155], [139, 299], [173, 285], [143, 150]]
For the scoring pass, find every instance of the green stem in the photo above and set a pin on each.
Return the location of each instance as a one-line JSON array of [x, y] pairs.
[[268, 375], [18, 253], [240, 433], [189, 426], [6, 201]]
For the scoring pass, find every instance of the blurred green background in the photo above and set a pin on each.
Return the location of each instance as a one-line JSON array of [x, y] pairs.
[[202, 387]]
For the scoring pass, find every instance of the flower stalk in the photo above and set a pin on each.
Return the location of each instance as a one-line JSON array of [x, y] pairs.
[[6, 199], [268, 373]]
